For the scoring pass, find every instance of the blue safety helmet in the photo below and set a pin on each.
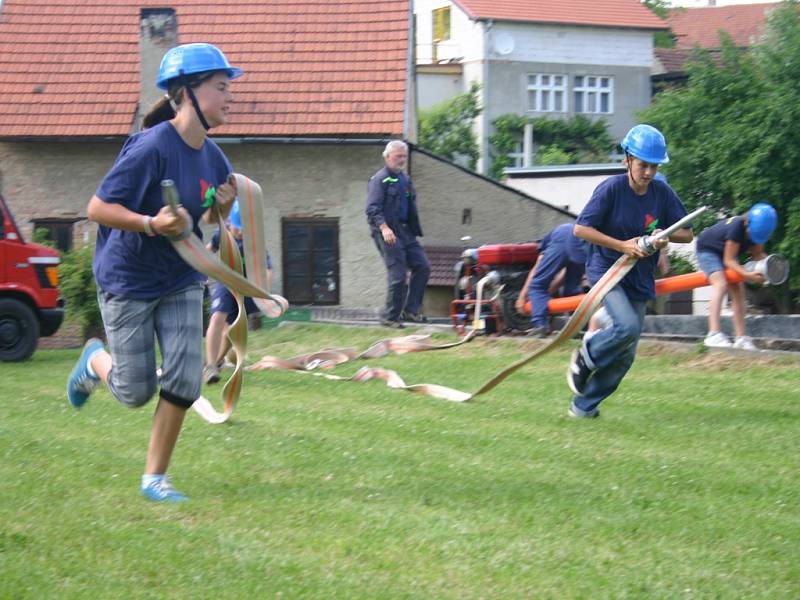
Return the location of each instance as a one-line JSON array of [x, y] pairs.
[[188, 59], [661, 177], [646, 143], [761, 222], [236, 216]]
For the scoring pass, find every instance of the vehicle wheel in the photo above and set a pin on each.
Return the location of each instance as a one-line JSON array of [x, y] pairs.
[[512, 320], [19, 330]]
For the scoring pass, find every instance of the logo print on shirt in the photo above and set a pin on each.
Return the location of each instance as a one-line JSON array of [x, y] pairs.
[[650, 223], [208, 193]]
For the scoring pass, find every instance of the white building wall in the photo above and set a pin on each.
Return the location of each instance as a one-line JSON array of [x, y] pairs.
[[530, 42], [435, 88], [465, 41], [569, 193], [562, 44]]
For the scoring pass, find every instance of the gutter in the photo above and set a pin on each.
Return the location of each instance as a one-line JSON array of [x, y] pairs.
[[487, 30], [219, 140], [304, 140], [410, 99]]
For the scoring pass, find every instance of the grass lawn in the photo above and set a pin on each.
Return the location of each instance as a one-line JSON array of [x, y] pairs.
[[688, 486]]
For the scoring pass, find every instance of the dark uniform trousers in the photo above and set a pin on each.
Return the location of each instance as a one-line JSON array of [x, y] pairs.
[[405, 255]]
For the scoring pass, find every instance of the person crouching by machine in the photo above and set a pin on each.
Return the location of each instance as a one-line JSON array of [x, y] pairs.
[[718, 248]]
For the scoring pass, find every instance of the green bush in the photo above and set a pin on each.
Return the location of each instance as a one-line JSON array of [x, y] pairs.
[[557, 141], [76, 282], [447, 128], [680, 265]]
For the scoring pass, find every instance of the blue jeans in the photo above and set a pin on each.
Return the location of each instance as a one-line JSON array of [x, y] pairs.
[[553, 260], [611, 351]]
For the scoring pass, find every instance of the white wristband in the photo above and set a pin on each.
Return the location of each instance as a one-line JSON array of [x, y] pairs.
[[148, 228]]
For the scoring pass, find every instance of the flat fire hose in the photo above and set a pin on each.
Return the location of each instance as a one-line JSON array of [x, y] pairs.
[[228, 271], [588, 305]]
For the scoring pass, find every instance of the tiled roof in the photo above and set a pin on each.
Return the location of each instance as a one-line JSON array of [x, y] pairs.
[[313, 67], [601, 13], [700, 26], [443, 260], [672, 59]]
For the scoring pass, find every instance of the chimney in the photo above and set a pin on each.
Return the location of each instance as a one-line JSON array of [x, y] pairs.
[[158, 33]]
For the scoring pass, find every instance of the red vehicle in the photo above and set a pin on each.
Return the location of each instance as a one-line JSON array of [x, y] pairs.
[[30, 304]]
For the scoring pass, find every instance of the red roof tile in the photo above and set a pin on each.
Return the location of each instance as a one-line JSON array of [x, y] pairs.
[[443, 260], [700, 26], [602, 13], [312, 67]]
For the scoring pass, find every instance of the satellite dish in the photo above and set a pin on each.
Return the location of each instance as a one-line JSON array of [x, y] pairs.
[[504, 44]]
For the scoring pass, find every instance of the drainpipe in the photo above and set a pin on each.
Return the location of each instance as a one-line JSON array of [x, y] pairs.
[[484, 166], [410, 100]]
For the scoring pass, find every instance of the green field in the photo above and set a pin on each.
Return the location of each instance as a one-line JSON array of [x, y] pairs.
[[688, 486]]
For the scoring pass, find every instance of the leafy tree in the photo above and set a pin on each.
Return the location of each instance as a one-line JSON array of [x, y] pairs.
[[557, 141], [732, 131], [447, 128], [553, 155]]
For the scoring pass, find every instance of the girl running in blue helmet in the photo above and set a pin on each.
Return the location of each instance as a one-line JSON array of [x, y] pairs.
[[718, 248], [145, 290], [621, 210]]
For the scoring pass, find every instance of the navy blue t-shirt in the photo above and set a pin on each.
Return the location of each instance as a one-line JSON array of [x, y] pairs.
[[132, 264], [713, 239], [617, 211], [405, 192], [574, 247]]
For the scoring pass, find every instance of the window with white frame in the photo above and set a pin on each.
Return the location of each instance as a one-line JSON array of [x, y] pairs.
[[593, 94], [518, 155], [547, 92]]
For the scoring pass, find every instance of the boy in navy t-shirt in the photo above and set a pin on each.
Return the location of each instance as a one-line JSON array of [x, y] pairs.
[[621, 210], [718, 248]]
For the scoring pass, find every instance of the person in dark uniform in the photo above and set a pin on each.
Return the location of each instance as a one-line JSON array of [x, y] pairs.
[[394, 221], [562, 261]]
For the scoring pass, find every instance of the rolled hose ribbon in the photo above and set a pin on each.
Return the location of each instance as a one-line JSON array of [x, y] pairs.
[[228, 271]]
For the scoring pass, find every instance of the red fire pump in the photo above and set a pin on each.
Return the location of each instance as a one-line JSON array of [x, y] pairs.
[[507, 267]]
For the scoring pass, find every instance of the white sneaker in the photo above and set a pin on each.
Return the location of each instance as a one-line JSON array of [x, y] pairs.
[[717, 339], [744, 342]]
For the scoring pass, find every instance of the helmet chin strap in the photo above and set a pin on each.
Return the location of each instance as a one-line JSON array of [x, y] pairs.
[[629, 157], [185, 82], [196, 105]]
